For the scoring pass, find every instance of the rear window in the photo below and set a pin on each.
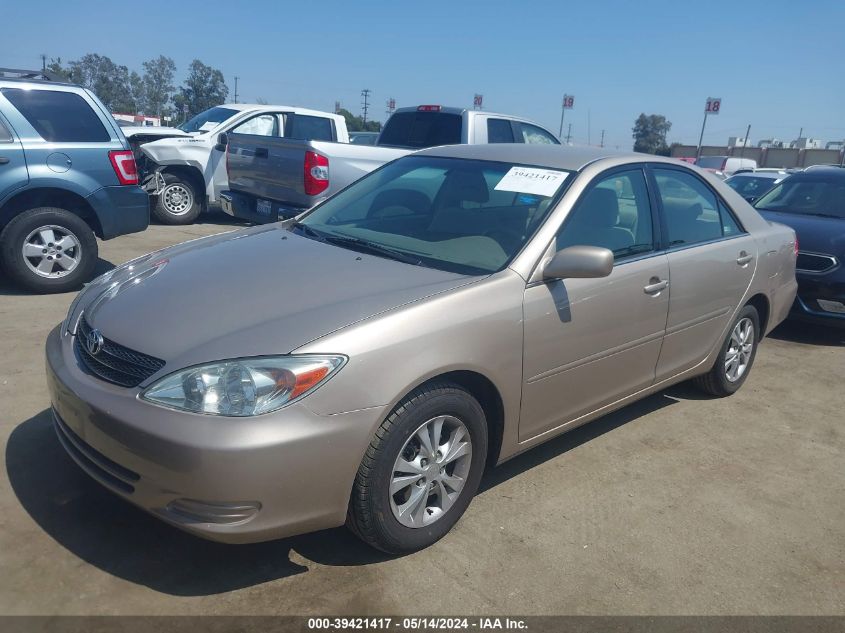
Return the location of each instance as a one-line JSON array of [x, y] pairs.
[[422, 129], [59, 117], [310, 128], [499, 131]]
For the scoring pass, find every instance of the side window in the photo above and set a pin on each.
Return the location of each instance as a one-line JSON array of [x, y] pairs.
[[5, 134], [310, 128], [58, 117], [729, 224], [261, 125], [614, 213], [499, 131], [535, 135], [691, 210]]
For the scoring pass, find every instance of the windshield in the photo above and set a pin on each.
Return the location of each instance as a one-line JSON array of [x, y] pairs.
[[750, 186], [208, 120], [422, 129], [711, 162], [806, 195], [463, 216]]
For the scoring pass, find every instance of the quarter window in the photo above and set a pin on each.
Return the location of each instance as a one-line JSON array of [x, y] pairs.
[[5, 134], [310, 128], [691, 211], [614, 213], [59, 117], [499, 131]]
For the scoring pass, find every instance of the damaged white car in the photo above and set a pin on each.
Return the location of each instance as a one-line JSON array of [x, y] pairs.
[[184, 168]]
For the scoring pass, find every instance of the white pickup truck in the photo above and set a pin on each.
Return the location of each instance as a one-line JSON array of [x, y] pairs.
[[184, 168], [277, 178]]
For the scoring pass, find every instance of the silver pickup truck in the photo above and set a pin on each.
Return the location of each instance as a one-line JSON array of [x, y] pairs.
[[277, 178]]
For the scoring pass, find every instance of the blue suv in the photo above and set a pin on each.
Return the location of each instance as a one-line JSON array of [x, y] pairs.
[[67, 176]]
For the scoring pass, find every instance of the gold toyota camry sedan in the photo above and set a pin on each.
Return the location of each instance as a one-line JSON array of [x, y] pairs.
[[364, 362]]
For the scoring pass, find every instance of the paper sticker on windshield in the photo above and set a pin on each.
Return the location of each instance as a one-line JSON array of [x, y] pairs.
[[541, 182], [208, 125]]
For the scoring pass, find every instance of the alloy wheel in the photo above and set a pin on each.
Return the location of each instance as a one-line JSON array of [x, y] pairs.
[[51, 251], [430, 471], [740, 348]]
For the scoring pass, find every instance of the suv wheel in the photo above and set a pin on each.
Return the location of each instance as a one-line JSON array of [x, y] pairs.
[[178, 202], [421, 470], [48, 250]]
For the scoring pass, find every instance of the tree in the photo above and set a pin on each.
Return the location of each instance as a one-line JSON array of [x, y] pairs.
[[158, 84], [650, 134], [106, 79], [203, 89], [61, 72], [138, 92], [356, 123]]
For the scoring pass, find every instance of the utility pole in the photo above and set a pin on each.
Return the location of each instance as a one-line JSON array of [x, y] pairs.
[[568, 133], [43, 61], [236, 88], [365, 104], [602, 139], [745, 141]]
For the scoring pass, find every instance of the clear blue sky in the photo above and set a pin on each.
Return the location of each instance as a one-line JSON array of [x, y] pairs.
[[777, 64]]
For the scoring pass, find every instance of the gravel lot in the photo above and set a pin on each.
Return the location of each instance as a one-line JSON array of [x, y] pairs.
[[679, 504]]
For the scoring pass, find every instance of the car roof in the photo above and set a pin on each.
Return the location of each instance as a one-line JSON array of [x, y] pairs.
[[771, 175], [552, 156], [27, 82], [822, 172]]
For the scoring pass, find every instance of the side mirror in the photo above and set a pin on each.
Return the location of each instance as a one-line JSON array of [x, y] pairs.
[[222, 142], [582, 262]]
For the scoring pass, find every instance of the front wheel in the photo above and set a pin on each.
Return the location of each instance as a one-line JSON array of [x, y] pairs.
[[178, 202], [421, 470], [735, 357], [48, 250]]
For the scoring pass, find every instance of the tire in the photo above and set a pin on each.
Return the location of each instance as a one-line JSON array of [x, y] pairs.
[[61, 236], [179, 201], [718, 381], [373, 509]]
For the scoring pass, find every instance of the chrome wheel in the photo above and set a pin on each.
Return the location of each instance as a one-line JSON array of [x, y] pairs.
[[177, 198], [740, 348], [51, 251], [430, 471]]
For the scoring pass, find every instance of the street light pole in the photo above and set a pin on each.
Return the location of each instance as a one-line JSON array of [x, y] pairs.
[[562, 112], [701, 137]]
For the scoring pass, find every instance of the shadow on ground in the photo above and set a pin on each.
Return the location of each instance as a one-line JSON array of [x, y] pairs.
[[809, 334], [111, 534]]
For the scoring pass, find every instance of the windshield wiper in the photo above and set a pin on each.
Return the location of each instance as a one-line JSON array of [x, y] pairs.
[[824, 215], [307, 230], [356, 243]]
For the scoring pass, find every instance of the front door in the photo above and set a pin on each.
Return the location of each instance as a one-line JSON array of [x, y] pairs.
[[711, 261], [590, 342]]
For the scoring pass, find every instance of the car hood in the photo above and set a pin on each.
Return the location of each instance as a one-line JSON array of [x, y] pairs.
[[152, 133], [252, 292], [815, 234]]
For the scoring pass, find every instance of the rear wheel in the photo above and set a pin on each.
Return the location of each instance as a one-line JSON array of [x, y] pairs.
[[178, 202], [421, 470], [735, 357], [48, 250]]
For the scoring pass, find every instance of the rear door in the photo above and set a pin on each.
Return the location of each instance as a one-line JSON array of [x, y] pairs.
[[13, 172], [711, 262]]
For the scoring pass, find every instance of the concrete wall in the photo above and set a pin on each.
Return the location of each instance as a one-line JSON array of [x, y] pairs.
[[766, 157]]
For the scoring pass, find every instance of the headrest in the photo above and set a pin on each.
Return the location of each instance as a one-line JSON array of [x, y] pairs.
[[602, 206], [416, 201], [464, 186]]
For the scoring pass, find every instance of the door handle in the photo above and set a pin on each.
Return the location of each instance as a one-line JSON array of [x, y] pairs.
[[3, 160], [744, 258], [261, 152], [656, 285]]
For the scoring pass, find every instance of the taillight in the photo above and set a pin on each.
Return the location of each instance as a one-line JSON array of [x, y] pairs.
[[316, 173], [429, 108], [123, 163]]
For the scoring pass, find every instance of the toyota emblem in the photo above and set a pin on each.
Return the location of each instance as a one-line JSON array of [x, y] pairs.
[[94, 342]]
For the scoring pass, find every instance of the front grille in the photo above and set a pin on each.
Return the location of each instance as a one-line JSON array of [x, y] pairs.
[[815, 262], [114, 363]]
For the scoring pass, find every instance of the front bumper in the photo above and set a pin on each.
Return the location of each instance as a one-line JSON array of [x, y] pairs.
[[230, 480], [121, 209], [816, 295], [245, 207]]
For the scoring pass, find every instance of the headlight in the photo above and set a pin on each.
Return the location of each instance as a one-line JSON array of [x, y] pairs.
[[243, 387]]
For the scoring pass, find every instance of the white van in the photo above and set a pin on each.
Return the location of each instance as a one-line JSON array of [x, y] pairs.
[[724, 166]]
